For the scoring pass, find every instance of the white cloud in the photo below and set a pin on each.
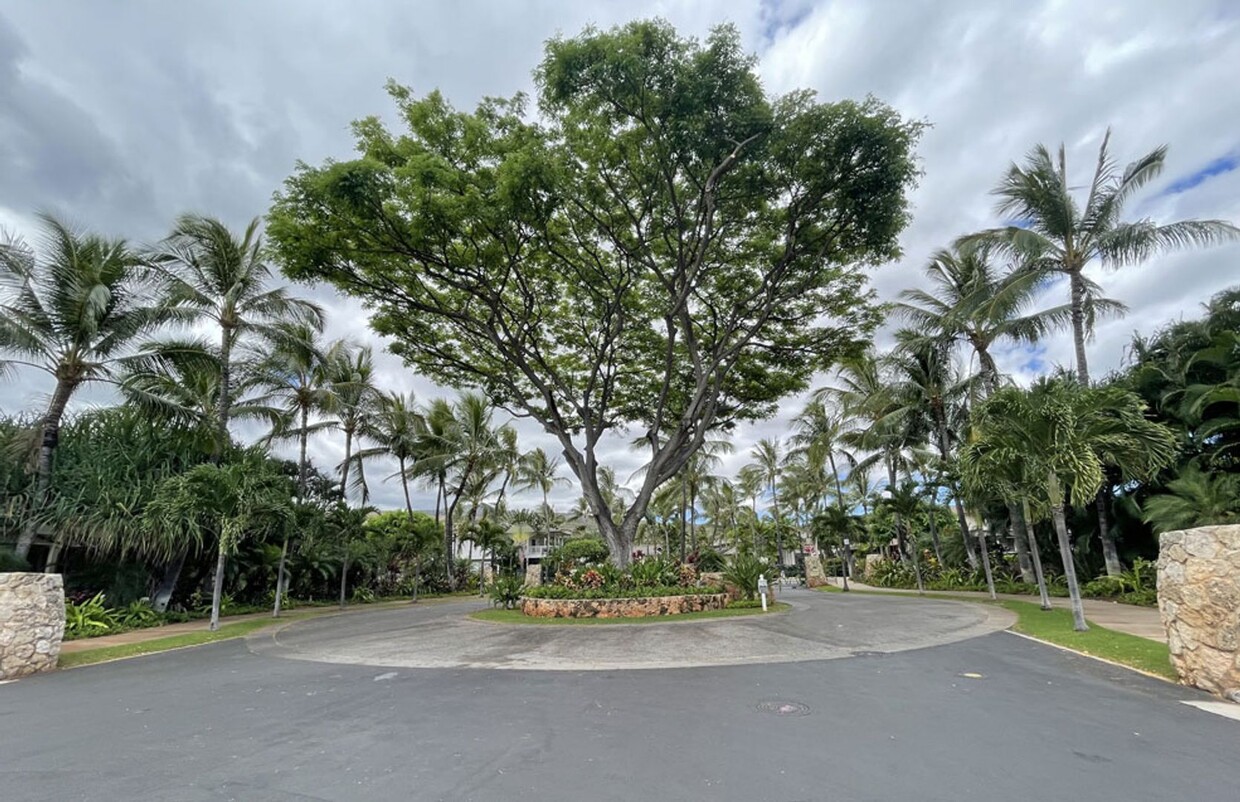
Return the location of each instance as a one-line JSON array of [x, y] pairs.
[[207, 107]]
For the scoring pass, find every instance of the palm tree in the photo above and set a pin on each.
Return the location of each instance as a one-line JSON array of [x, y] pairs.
[[299, 371], [537, 470], [1195, 499], [461, 449], [213, 276], [768, 458], [818, 436], [394, 424], [971, 304], [1054, 236], [1064, 436], [351, 372], [74, 314]]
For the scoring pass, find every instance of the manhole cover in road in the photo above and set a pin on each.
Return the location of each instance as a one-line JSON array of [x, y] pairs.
[[783, 707]]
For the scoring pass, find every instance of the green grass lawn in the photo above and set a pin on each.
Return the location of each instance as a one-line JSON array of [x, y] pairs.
[[236, 630], [1055, 626], [517, 617]]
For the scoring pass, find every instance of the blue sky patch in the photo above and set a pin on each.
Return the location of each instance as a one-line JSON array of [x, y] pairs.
[[1223, 164]]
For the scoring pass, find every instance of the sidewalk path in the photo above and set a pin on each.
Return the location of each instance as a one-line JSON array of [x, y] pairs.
[[1144, 622]]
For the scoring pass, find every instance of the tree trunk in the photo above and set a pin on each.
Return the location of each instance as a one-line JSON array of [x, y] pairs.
[[223, 404], [344, 469], [963, 522], [1065, 553], [275, 612], [49, 438], [1017, 527], [901, 540], [217, 586], [1037, 557], [990, 577], [168, 584], [344, 578], [693, 537], [1077, 285], [440, 493], [940, 425], [1107, 536], [683, 513], [934, 532], [404, 483]]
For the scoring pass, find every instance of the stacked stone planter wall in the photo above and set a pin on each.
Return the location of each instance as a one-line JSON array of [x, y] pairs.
[[623, 608], [32, 623], [1199, 599]]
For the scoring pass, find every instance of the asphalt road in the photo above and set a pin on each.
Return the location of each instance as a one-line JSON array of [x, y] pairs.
[[223, 722]]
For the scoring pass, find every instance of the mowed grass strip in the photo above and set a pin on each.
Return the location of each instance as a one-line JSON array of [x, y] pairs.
[[104, 653], [1055, 626], [518, 617]]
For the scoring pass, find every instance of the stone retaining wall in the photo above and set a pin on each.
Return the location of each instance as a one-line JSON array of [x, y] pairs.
[[32, 623], [623, 608], [1199, 599]]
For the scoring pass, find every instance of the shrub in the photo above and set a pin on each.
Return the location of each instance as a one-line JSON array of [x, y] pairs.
[[138, 614], [743, 572], [707, 560], [506, 591], [89, 618], [363, 595], [654, 572], [892, 574], [744, 604]]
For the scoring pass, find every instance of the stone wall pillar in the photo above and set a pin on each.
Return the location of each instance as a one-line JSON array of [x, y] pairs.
[[1199, 599], [32, 623]]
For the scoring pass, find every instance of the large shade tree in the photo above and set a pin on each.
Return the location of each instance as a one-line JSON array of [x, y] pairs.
[[74, 311], [666, 246], [1052, 234]]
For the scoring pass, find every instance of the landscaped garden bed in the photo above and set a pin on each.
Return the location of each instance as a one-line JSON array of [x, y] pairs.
[[634, 607]]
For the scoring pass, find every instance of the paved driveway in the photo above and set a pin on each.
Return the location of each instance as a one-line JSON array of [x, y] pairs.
[[223, 722]]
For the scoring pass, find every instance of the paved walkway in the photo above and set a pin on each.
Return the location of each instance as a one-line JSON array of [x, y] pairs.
[[1144, 622]]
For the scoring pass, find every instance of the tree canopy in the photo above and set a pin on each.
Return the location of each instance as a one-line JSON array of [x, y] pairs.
[[664, 245]]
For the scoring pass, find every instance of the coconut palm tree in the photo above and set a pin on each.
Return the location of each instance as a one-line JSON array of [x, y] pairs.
[[75, 311], [299, 371], [971, 304], [351, 372], [768, 459], [1055, 236], [539, 471], [1064, 436], [394, 425], [213, 276]]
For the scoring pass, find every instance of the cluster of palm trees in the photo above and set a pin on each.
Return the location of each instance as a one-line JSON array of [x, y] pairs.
[[194, 332]]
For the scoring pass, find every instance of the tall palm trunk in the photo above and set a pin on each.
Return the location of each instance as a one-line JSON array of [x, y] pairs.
[[1077, 286], [1065, 553], [217, 585], [940, 426], [990, 577], [49, 438], [934, 529], [282, 572], [901, 540], [1036, 556], [683, 513], [1017, 527], [344, 469], [1109, 551], [344, 576], [404, 483]]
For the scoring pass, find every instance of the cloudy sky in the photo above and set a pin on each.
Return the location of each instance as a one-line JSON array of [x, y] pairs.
[[122, 115]]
